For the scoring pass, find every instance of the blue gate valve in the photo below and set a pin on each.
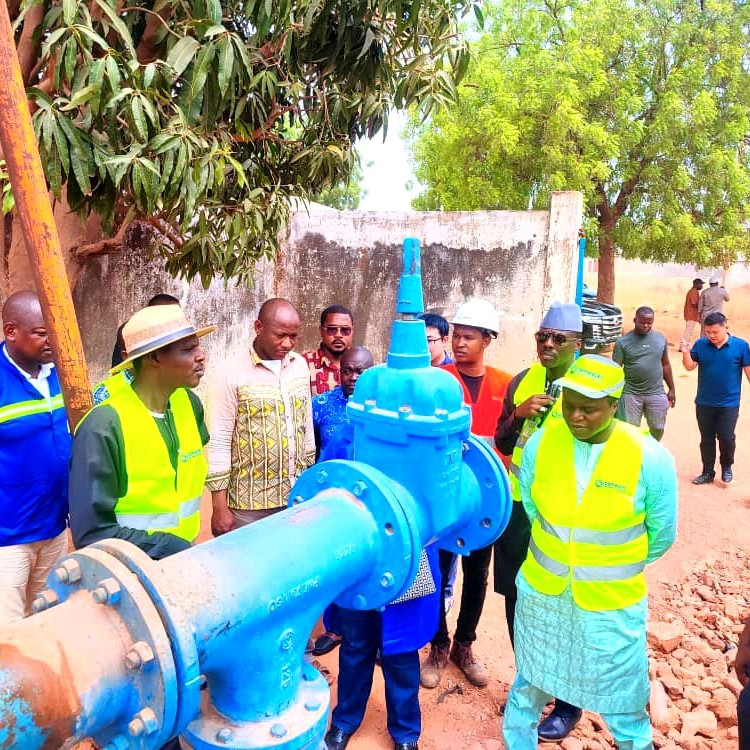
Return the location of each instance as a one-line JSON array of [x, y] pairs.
[[120, 646]]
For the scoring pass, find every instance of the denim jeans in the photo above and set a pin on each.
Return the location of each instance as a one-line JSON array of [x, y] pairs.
[[361, 638]]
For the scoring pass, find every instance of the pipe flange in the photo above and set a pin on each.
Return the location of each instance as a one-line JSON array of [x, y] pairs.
[[399, 548], [179, 630], [300, 727], [495, 501], [149, 708]]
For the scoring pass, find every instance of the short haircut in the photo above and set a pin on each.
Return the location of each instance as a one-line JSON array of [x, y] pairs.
[[715, 319], [335, 310], [697, 281], [162, 299], [433, 320], [644, 310]]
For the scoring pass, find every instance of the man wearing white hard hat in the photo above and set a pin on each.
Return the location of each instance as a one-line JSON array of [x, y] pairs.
[[138, 469], [475, 324], [603, 508], [712, 299]]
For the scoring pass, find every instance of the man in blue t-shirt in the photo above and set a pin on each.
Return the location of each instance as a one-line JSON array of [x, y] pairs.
[[720, 359]]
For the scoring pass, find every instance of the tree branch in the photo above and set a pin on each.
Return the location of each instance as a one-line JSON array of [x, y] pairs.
[[148, 46], [28, 54], [166, 229], [103, 247]]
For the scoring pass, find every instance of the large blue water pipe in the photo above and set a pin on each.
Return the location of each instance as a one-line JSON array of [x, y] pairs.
[[209, 644]]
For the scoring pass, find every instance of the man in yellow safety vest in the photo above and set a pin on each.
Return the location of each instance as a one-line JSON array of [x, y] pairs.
[[138, 469], [533, 398], [602, 500]]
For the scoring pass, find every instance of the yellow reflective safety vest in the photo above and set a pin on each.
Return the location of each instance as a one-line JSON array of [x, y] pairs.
[[599, 546], [158, 498], [531, 384]]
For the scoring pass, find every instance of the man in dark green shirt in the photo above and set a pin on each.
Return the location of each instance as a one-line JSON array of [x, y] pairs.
[[100, 467]]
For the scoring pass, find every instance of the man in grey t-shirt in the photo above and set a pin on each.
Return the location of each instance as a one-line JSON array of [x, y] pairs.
[[644, 357]]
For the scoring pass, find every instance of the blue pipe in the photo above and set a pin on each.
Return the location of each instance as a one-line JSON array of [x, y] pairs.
[[122, 645]]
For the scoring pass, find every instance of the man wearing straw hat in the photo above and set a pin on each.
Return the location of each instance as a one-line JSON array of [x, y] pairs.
[[138, 469], [604, 507]]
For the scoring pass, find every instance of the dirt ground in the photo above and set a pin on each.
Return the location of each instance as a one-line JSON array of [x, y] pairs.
[[710, 520]]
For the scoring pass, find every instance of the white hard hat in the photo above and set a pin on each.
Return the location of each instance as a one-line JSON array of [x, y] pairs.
[[715, 279], [478, 313]]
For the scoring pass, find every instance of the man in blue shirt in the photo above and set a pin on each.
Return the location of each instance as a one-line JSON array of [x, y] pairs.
[[333, 439], [720, 359], [34, 455], [437, 328]]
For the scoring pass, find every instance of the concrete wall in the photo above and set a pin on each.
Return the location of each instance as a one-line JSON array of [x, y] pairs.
[[521, 261]]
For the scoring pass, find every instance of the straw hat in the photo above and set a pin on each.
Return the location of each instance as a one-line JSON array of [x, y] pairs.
[[154, 327]]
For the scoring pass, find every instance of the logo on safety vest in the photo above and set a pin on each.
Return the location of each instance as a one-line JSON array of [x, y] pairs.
[[191, 454], [610, 485]]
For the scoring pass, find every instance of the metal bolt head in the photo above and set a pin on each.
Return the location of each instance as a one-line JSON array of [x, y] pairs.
[[143, 723], [313, 704], [278, 730], [107, 592], [69, 571], [359, 488], [48, 598], [140, 656], [386, 580], [322, 476], [224, 735]]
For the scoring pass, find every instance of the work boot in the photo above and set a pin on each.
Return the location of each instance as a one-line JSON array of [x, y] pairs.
[[475, 671], [433, 666]]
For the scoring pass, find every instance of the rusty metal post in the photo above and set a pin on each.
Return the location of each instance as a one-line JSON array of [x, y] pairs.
[[39, 229]]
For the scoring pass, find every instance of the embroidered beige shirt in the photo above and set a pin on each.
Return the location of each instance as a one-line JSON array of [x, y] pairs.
[[261, 430]]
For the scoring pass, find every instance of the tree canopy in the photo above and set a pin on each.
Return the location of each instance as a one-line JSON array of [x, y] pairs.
[[199, 120], [644, 107]]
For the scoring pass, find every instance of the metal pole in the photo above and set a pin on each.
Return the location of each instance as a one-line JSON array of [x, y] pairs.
[[39, 229]]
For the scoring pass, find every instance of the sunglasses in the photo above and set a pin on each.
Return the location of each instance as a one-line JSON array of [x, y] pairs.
[[558, 339], [343, 330]]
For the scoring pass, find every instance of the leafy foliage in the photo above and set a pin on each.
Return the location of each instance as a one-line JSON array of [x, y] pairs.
[[346, 195], [644, 107], [204, 118]]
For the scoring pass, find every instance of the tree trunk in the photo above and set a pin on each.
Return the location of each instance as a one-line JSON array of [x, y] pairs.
[[606, 281]]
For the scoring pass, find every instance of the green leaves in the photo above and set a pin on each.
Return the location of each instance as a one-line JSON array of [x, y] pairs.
[[211, 116], [643, 108]]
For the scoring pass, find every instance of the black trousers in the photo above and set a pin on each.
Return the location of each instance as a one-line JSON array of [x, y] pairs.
[[717, 423], [476, 567], [743, 718]]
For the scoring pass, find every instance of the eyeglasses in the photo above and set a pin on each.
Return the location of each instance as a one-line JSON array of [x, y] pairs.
[[343, 330], [558, 339], [433, 341]]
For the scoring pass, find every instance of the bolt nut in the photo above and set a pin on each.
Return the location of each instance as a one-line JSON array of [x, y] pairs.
[[48, 598], [69, 571], [359, 488], [322, 476], [278, 730], [107, 592], [312, 705], [140, 656], [386, 580], [143, 723], [224, 735]]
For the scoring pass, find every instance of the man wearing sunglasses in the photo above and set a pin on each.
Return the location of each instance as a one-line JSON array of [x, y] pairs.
[[336, 335], [532, 399]]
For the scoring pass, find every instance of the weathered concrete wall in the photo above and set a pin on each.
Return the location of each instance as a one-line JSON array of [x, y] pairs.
[[519, 260]]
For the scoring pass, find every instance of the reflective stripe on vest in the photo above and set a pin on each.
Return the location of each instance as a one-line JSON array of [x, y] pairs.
[[158, 498], [146, 521], [27, 408], [531, 384], [598, 545]]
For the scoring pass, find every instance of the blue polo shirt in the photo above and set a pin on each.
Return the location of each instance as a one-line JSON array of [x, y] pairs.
[[720, 371]]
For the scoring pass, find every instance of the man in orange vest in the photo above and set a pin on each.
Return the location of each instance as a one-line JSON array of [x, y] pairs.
[[475, 324]]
